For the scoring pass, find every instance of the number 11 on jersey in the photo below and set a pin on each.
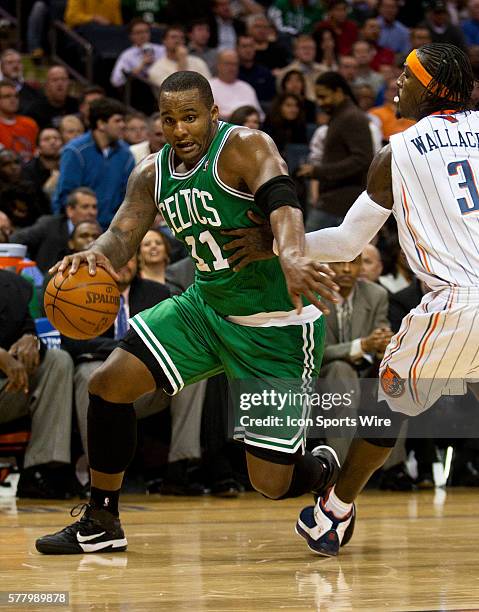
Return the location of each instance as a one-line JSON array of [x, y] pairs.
[[219, 263]]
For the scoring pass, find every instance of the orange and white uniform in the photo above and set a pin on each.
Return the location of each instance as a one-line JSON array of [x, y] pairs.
[[435, 178]]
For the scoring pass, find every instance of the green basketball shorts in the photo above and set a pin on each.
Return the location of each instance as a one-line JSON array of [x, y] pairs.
[[269, 367]]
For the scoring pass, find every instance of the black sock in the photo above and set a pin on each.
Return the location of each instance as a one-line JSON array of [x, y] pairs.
[[106, 500], [111, 435], [309, 475]]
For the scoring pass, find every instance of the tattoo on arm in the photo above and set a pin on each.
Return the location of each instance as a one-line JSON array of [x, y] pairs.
[[133, 219]]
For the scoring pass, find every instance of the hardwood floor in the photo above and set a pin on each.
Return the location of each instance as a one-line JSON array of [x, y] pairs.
[[410, 552]]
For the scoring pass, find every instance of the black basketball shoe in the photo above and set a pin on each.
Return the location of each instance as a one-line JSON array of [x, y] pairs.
[[97, 531]]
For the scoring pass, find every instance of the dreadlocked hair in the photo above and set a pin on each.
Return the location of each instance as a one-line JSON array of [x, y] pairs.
[[452, 77]]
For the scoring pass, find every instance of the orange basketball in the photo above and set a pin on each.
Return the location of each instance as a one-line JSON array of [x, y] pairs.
[[82, 306]]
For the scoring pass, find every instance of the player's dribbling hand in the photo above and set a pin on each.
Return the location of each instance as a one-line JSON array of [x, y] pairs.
[[307, 277], [92, 258], [15, 371]]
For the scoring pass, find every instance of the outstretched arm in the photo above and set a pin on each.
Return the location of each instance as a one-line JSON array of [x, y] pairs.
[[133, 219]]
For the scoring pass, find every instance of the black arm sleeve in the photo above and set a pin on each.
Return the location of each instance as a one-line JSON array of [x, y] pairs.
[[278, 191]]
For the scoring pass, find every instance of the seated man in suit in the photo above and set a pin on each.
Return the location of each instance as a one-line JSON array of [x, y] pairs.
[[38, 383], [47, 239], [357, 332]]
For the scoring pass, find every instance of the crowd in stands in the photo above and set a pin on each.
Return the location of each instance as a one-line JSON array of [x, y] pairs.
[[319, 76]]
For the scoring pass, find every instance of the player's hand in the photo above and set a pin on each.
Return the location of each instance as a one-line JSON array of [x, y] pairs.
[[307, 277], [15, 371], [90, 257], [251, 243], [27, 350]]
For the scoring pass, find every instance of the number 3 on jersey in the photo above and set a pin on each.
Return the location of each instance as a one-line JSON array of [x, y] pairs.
[[219, 263], [466, 204]]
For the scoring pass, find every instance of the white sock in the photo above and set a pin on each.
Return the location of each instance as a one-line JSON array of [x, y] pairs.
[[335, 505]]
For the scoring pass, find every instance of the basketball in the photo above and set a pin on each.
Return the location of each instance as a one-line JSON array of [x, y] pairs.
[[82, 306]]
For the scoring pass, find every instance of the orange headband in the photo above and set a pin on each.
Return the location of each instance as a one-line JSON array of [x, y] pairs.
[[418, 70], [421, 74]]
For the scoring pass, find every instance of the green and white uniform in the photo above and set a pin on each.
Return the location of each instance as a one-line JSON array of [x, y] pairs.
[[242, 323]]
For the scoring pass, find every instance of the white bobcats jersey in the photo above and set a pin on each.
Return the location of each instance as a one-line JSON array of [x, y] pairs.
[[435, 178]]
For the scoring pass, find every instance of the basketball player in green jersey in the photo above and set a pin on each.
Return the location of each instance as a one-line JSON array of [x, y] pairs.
[[259, 324]]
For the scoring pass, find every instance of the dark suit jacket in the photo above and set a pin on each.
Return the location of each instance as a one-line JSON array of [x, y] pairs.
[[46, 240], [143, 294], [370, 310], [180, 275], [402, 302], [15, 319]]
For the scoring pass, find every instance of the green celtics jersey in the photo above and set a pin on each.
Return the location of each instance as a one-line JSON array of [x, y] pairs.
[[197, 206]]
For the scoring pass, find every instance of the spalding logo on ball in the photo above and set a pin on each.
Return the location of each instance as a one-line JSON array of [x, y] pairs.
[[82, 306]]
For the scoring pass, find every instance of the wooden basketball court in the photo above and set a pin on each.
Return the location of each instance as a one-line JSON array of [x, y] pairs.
[[415, 551]]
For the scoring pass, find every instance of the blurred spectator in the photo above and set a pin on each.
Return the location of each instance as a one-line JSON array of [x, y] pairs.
[[151, 11], [37, 28], [268, 53], [43, 169], [326, 52], [345, 30], [258, 76], [357, 333], [11, 68], [364, 53], [247, 116], [439, 25], [390, 123], [294, 82], [285, 122], [470, 27], [99, 159], [55, 102], [371, 265], [394, 35], [10, 168], [6, 228], [198, 46], [176, 58], [348, 152], [348, 68], [365, 97], [225, 27], [304, 61], [155, 139], [21, 203], [70, 127], [137, 59], [370, 32], [295, 17], [136, 128], [47, 240], [81, 12], [39, 384], [420, 35], [95, 92], [17, 132], [228, 91], [154, 256]]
